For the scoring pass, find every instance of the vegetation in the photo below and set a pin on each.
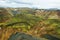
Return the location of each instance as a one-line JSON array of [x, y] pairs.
[[29, 21]]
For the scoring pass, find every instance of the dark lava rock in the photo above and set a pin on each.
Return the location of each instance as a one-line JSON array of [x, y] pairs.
[[50, 37], [22, 36]]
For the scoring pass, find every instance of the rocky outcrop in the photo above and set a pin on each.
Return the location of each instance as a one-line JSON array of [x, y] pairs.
[[23, 36], [48, 14]]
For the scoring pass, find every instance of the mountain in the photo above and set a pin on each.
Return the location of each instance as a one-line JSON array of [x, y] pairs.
[[48, 14], [4, 15]]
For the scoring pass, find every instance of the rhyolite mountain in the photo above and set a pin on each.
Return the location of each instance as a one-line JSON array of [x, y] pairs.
[[4, 15], [7, 13], [43, 13]]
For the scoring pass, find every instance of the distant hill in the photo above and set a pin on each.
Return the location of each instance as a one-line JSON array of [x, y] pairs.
[[48, 14], [4, 15], [44, 13]]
